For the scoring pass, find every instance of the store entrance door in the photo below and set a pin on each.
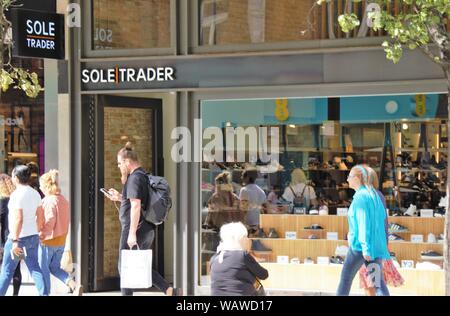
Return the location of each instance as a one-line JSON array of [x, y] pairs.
[[123, 119]]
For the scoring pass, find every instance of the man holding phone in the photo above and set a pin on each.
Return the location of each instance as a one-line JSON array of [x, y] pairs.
[[135, 230]]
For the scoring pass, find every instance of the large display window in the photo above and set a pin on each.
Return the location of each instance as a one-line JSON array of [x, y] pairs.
[[313, 144]]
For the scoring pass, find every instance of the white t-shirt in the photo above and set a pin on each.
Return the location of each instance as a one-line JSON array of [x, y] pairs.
[[255, 197], [309, 193], [27, 199]]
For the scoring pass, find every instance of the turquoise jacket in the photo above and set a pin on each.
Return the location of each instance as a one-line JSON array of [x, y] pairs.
[[366, 220]]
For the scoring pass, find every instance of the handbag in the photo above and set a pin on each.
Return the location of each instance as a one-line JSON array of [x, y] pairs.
[[136, 269]]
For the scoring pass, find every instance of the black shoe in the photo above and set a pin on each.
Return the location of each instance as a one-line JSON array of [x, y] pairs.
[[337, 260], [257, 246], [431, 255], [273, 233], [314, 226], [260, 233]]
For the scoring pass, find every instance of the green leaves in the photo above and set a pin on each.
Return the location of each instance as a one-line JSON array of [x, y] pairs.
[[22, 79], [348, 22]]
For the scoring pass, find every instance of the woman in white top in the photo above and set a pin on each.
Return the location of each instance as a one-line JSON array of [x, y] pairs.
[[298, 189], [23, 239]]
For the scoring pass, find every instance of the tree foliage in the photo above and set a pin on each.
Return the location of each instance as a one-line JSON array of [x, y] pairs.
[[11, 76], [421, 25]]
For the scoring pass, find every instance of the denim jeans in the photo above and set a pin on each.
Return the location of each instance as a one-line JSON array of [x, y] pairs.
[[145, 236], [352, 264], [50, 262], [30, 244]]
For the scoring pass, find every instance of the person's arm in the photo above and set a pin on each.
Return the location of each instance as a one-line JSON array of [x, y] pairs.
[[364, 223], [17, 228], [114, 196], [49, 220], [40, 218], [254, 267], [135, 214]]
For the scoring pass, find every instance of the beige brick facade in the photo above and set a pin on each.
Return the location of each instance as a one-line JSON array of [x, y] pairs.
[[259, 21], [122, 125], [131, 24]]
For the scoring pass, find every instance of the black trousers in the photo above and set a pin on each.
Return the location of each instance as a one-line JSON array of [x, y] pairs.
[[145, 236]]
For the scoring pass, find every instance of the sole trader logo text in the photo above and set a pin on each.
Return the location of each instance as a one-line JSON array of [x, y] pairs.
[[118, 75]]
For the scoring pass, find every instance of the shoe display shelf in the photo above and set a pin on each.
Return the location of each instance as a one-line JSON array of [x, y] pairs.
[[404, 250], [313, 248], [325, 279]]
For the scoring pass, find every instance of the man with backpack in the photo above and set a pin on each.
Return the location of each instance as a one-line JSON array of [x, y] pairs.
[[136, 231]]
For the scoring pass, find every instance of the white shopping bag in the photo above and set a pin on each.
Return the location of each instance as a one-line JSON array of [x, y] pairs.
[[136, 269]]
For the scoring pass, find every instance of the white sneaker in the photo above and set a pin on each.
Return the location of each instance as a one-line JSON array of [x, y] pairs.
[[443, 202], [411, 211], [431, 238]]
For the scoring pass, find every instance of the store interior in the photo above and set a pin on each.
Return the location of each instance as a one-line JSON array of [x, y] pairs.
[[404, 138]]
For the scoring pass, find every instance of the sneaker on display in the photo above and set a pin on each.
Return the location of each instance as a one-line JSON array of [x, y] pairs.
[[397, 228], [308, 260], [273, 233], [394, 237], [295, 260], [314, 226], [313, 212], [431, 255], [431, 238], [411, 211]]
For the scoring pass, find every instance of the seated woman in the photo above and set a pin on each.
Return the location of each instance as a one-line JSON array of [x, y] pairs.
[[233, 270], [223, 206]]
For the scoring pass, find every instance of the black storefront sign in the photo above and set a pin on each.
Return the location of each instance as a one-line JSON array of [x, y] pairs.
[[38, 34]]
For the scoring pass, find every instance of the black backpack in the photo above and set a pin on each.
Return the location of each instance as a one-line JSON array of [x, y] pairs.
[[159, 200]]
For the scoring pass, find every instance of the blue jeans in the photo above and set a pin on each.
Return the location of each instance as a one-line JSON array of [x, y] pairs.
[[50, 262], [352, 264], [31, 245]]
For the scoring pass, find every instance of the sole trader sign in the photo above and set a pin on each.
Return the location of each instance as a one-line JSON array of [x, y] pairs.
[[118, 75]]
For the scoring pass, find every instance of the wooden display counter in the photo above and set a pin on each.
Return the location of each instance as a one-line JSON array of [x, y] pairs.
[[325, 278]]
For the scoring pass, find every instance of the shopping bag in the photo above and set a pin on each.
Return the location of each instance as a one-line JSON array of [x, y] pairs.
[[136, 269], [67, 261]]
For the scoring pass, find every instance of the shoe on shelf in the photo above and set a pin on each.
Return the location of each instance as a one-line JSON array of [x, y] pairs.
[[313, 212], [440, 239], [260, 233], [336, 260], [314, 226], [273, 233], [431, 255], [312, 236], [431, 238], [397, 228], [394, 237], [411, 211], [295, 260], [257, 246], [308, 260]]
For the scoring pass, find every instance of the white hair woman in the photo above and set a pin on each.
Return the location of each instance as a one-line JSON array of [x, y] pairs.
[[234, 271]]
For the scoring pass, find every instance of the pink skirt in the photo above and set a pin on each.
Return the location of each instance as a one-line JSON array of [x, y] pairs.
[[391, 276]]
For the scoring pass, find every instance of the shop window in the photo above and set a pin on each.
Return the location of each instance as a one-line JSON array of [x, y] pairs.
[[404, 139], [119, 24], [22, 123]]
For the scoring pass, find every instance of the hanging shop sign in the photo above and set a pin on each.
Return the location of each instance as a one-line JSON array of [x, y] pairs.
[[38, 34], [118, 75], [421, 105]]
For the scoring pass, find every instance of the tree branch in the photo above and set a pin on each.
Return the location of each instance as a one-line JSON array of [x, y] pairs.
[[426, 50]]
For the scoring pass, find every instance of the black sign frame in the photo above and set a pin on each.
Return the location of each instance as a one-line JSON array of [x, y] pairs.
[[21, 39]]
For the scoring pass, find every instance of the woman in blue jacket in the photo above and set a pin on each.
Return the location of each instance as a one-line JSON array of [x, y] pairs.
[[366, 236]]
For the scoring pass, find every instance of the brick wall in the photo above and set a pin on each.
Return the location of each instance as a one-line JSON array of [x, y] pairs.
[[133, 23], [275, 20], [122, 125]]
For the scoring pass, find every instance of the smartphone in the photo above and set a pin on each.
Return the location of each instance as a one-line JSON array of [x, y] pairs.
[[105, 192]]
